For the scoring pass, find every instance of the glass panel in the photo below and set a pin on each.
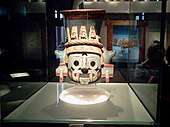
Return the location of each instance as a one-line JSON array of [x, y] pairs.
[[23, 54], [144, 74]]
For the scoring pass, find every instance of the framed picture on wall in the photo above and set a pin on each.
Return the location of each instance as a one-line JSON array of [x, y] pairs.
[[127, 39]]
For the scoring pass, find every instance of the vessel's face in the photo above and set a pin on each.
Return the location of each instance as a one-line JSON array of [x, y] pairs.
[[84, 68]]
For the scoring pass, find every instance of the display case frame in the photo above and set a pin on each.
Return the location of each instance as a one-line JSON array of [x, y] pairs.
[[144, 108]]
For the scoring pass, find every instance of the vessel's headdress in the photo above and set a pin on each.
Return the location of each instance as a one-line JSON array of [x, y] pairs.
[[82, 31]]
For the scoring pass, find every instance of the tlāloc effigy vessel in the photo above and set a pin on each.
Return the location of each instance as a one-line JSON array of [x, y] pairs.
[[84, 55], [84, 59]]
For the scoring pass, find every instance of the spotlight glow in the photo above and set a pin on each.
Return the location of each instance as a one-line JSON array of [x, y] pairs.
[[84, 95]]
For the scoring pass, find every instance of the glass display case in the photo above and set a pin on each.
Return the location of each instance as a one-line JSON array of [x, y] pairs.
[[90, 50]]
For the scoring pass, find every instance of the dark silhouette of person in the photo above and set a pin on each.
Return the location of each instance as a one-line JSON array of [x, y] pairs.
[[148, 71]]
